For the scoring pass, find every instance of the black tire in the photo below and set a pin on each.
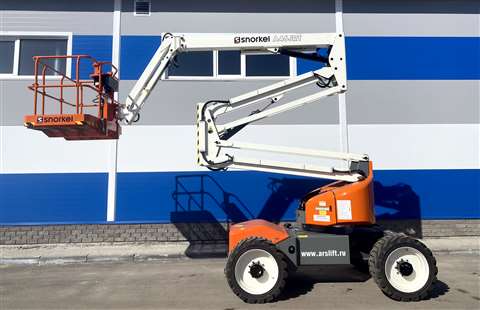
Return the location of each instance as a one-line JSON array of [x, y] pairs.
[[262, 244], [377, 266]]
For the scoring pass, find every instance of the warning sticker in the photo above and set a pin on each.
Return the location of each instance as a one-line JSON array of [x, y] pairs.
[[321, 218], [344, 209]]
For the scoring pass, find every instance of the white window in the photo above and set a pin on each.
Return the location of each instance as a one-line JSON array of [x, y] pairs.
[[18, 48], [142, 8]]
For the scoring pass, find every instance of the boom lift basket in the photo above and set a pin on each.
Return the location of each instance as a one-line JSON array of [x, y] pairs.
[[71, 107]]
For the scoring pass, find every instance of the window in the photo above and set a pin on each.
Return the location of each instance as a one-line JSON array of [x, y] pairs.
[[32, 47], [7, 49], [142, 8], [192, 64], [228, 65], [267, 65], [17, 50]]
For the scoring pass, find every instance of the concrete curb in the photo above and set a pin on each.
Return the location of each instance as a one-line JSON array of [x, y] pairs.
[[454, 245], [54, 254], [86, 259], [47, 254]]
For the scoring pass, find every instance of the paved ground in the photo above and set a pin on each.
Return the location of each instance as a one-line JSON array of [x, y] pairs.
[[195, 284]]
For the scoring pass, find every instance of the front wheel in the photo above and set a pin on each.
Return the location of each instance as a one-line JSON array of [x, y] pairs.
[[403, 267], [256, 271]]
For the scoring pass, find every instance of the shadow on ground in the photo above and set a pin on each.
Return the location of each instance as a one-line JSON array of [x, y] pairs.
[[440, 288], [303, 281]]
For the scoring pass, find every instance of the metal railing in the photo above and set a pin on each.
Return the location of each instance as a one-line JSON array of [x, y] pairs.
[[43, 87]]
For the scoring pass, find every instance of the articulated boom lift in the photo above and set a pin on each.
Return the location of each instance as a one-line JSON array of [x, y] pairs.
[[335, 223]]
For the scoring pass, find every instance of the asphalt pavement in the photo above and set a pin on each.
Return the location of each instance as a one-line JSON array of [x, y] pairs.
[[183, 283]]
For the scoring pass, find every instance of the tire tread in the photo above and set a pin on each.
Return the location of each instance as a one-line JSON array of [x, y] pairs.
[[251, 243], [376, 263]]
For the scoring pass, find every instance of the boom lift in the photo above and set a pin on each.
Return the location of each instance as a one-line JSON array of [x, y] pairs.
[[335, 223]]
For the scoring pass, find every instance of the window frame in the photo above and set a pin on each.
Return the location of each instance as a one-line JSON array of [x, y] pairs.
[[17, 36]]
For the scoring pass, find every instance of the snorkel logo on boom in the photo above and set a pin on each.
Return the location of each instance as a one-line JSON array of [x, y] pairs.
[[265, 39], [255, 39]]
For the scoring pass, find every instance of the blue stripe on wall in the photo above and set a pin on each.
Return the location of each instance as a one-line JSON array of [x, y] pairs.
[[156, 196], [413, 58], [136, 52], [439, 194], [53, 198], [368, 58], [399, 194], [99, 47], [409, 58]]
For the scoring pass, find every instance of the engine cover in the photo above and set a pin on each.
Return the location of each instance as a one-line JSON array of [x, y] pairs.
[[339, 203]]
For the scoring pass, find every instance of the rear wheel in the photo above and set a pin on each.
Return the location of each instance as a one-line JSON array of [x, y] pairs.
[[256, 271], [403, 267]]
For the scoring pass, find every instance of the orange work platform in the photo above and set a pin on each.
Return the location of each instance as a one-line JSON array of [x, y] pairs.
[[70, 107]]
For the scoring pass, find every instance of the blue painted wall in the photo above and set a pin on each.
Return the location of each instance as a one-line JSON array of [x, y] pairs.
[[99, 47], [413, 58], [368, 58], [53, 198], [136, 52], [409, 58], [400, 194], [150, 197]]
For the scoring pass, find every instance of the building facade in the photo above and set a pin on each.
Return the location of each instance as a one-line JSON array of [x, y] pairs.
[[412, 104]]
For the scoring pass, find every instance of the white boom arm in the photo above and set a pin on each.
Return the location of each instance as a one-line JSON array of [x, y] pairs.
[[212, 138], [174, 44], [169, 46]]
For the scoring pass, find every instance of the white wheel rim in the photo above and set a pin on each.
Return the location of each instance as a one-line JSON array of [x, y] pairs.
[[412, 282], [263, 284]]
